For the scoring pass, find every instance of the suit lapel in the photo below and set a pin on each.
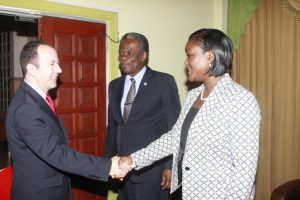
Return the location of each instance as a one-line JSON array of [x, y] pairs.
[[144, 83], [117, 98], [42, 103], [219, 96], [118, 94], [139, 98]]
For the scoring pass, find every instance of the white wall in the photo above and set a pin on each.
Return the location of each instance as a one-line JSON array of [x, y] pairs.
[[17, 42], [167, 24]]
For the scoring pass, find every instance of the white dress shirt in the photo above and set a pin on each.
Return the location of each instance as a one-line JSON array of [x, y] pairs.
[[138, 78]]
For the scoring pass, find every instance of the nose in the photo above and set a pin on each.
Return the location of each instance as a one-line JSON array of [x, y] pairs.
[[58, 68], [123, 57], [185, 63]]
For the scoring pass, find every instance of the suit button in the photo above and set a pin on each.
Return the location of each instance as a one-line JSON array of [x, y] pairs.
[[187, 168]]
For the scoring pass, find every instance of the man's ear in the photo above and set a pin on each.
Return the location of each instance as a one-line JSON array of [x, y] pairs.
[[31, 69], [144, 56]]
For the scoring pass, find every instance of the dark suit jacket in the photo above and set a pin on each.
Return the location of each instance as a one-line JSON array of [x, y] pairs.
[[155, 109], [39, 148]]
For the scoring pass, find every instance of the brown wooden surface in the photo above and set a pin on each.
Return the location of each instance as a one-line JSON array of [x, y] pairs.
[[81, 94]]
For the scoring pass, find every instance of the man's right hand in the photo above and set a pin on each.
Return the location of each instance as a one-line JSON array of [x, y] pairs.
[[126, 163], [115, 171]]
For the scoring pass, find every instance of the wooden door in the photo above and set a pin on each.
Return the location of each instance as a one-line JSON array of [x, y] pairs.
[[81, 94]]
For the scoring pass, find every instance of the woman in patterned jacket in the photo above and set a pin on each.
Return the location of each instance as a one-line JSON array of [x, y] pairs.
[[215, 140]]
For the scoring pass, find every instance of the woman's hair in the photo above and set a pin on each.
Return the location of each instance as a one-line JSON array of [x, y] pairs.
[[144, 45], [221, 46]]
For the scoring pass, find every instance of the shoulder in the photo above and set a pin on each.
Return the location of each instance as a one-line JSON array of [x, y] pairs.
[[162, 76], [232, 88], [24, 104], [242, 95], [240, 90], [21, 97], [116, 82]]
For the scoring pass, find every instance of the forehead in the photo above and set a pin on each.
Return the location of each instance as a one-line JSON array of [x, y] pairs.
[[129, 43], [192, 45], [46, 52]]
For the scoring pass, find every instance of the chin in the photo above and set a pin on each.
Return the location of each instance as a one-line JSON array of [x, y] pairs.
[[191, 79], [52, 86], [125, 68]]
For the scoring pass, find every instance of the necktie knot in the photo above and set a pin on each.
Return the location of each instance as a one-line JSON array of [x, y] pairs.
[[51, 104]]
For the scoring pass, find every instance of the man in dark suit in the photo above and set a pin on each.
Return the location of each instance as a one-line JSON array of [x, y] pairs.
[[153, 112], [36, 136]]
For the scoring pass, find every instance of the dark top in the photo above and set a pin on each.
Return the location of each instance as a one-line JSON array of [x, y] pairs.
[[184, 133]]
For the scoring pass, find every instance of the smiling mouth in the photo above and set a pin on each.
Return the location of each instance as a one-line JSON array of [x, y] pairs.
[[54, 79], [125, 65]]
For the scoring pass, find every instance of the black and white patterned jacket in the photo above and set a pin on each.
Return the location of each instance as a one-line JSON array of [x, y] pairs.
[[221, 152]]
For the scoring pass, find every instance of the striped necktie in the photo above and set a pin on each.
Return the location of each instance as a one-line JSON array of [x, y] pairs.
[[129, 100]]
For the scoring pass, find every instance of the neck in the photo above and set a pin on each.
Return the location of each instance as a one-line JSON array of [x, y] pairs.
[[30, 81]]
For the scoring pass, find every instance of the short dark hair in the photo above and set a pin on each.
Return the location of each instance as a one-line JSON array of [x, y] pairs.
[[142, 40], [220, 44], [29, 54]]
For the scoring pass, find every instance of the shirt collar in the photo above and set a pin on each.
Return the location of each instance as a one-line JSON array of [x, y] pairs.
[[138, 77], [38, 90]]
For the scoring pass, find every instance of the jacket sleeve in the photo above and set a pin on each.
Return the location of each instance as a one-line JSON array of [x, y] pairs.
[[41, 135], [110, 148], [244, 130], [172, 106]]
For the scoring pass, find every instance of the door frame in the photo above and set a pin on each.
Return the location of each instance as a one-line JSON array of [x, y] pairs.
[[36, 8]]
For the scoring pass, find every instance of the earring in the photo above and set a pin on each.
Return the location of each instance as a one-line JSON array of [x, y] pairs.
[[209, 63]]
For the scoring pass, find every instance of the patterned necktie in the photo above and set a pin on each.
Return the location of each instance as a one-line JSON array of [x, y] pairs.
[[51, 104], [129, 100]]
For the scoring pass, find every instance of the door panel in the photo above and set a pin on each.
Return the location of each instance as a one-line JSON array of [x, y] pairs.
[[81, 94]]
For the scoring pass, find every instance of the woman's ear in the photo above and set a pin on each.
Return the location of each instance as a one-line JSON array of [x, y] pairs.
[[211, 56]]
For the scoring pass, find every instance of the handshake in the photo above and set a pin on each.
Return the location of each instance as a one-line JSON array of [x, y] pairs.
[[121, 166]]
